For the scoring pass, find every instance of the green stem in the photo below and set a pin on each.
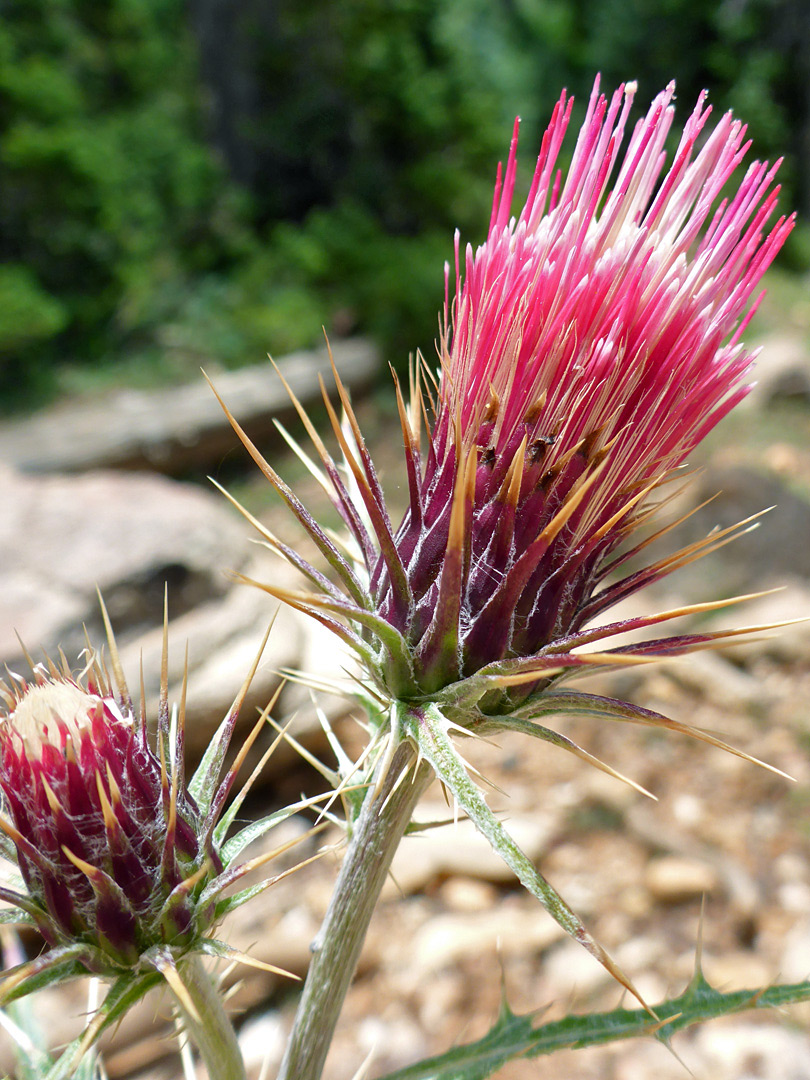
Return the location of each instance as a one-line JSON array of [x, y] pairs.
[[210, 1030], [381, 824]]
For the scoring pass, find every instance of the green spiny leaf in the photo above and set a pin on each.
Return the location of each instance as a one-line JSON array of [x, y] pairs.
[[219, 949], [204, 783], [538, 731], [430, 731], [476, 1061], [256, 829], [514, 1036], [55, 966], [230, 903]]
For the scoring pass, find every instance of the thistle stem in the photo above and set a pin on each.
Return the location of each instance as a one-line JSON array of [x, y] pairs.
[[210, 1030], [381, 824]]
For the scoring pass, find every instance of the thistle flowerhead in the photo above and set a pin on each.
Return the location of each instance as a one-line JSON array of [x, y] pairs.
[[592, 341], [122, 864], [102, 843]]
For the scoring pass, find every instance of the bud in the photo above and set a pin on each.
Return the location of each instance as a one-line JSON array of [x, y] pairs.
[[122, 864], [110, 855]]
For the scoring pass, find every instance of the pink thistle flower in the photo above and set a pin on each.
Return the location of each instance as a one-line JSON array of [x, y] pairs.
[[593, 341]]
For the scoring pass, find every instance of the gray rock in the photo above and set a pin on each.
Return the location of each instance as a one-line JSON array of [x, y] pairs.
[[61, 537], [673, 879], [782, 370], [175, 429], [775, 550], [521, 931], [129, 535], [768, 1051]]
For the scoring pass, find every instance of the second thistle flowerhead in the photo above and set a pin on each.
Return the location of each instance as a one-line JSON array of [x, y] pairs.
[[593, 341], [110, 856], [123, 863]]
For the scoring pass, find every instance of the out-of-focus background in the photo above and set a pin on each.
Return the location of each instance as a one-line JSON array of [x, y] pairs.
[[204, 182], [199, 183]]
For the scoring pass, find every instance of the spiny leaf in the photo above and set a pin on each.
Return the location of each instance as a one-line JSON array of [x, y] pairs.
[[233, 874], [464, 695], [272, 542], [429, 729], [515, 1036], [204, 783], [55, 966], [320, 538], [476, 1061], [664, 567], [235, 900], [527, 727], [224, 789], [338, 492], [582, 704], [641, 622], [370, 492], [223, 951], [163, 959], [256, 829], [231, 903], [314, 605]]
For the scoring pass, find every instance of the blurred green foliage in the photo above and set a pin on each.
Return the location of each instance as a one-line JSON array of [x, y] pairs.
[[207, 181]]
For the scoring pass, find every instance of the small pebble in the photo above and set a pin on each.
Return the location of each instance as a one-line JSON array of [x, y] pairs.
[[672, 879], [468, 894]]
